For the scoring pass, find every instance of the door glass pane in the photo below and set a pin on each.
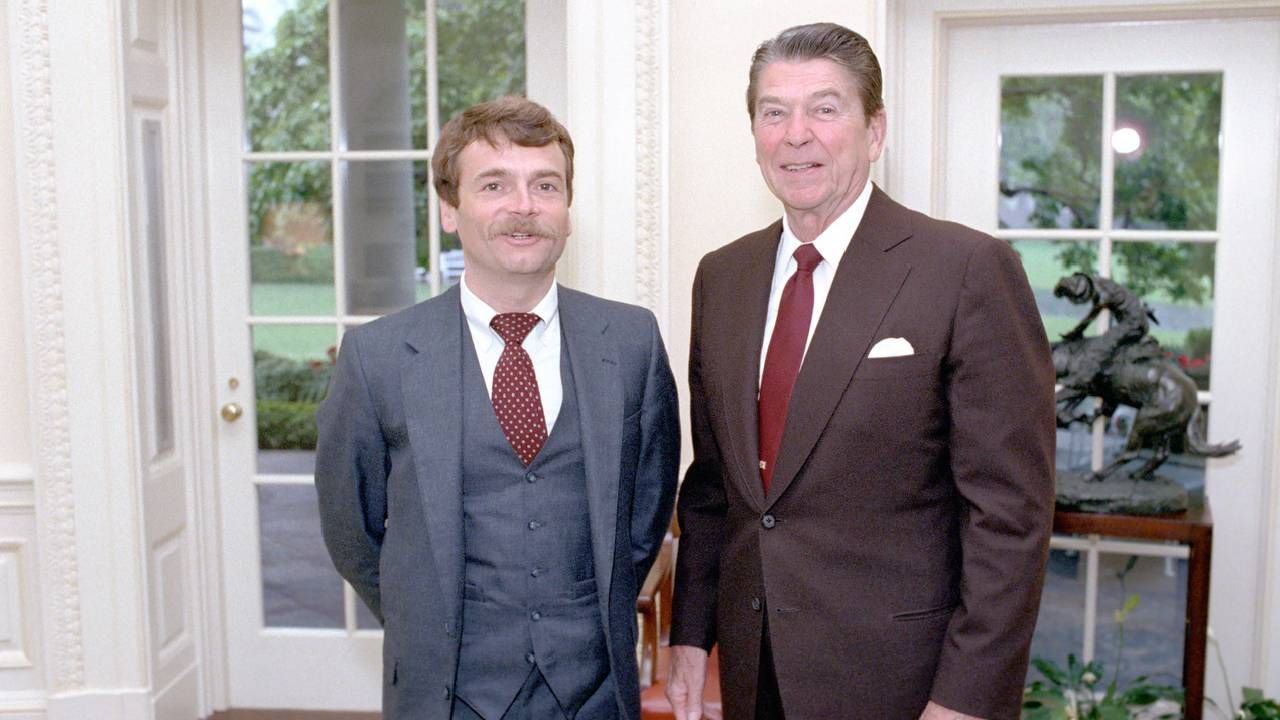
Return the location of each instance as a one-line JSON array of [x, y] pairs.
[[1050, 151], [286, 74], [1060, 624], [1182, 466], [1046, 262], [385, 221], [291, 238], [292, 365], [1175, 279], [481, 52], [160, 384], [383, 69], [451, 261], [364, 618], [1166, 150], [300, 588], [1153, 631]]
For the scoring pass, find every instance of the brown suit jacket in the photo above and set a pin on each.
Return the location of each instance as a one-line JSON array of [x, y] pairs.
[[900, 552]]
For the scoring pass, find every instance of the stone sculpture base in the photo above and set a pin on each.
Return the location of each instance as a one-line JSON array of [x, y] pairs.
[[1120, 494]]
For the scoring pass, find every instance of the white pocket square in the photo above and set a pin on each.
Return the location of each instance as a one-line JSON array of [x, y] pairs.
[[891, 347]]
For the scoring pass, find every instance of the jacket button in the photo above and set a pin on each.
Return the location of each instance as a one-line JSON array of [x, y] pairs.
[[768, 522], [755, 604]]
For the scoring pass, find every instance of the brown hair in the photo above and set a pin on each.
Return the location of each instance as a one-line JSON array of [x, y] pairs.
[[822, 41], [508, 119]]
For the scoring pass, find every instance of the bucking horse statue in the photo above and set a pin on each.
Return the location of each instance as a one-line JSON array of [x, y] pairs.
[[1126, 366]]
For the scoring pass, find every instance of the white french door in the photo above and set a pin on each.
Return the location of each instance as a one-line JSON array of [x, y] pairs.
[[320, 116], [1144, 151], [163, 338]]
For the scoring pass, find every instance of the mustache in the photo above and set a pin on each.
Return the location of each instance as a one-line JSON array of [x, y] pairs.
[[523, 227]]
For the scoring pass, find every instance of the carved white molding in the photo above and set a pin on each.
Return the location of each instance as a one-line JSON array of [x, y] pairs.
[[48, 355], [650, 208]]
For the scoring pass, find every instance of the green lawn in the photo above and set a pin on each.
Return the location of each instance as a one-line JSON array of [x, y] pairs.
[[292, 299], [300, 342]]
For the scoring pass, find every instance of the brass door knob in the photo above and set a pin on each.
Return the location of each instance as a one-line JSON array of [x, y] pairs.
[[231, 412]]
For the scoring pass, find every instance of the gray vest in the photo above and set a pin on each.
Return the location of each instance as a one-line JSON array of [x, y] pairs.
[[529, 598]]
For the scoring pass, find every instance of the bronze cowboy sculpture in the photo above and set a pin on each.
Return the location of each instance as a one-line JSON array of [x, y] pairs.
[[1126, 366]]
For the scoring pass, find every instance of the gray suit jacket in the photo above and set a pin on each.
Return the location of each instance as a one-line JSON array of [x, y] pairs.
[[388, 475]]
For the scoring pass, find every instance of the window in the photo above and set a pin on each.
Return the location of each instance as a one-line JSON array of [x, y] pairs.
[[1117, 175]]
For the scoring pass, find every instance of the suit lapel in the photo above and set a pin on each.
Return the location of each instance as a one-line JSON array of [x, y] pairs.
[[866, 282], [745, 331], [431, 383], [593, 359]]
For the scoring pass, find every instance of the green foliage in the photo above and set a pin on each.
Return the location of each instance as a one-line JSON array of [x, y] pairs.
[[481, 56], [1172, 183], [270, 265], [1050, 133], [289, 391], [482, 50], [1180, 272], [1076, 693], [286, 425], [280, 378], [1199, 342], [1256, 706]]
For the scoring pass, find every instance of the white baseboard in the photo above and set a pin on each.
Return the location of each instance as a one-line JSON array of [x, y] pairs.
[[132, 704]]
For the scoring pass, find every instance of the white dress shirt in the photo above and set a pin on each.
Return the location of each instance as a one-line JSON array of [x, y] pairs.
[[831, 244], [542, 343]]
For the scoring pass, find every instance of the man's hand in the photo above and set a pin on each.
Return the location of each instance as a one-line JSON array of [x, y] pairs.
[[688, 676], [934, 711]]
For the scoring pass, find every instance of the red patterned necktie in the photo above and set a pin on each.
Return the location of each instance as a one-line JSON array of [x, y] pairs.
[[782, 361], [515, 396]]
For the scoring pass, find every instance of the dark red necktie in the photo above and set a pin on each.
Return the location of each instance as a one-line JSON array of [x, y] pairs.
[[782, 361], [515, 396]]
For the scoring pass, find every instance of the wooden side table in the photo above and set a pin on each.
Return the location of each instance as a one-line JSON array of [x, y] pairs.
[[1193, 528]]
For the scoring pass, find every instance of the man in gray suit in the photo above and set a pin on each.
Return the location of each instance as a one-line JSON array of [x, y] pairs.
[[496, 466]]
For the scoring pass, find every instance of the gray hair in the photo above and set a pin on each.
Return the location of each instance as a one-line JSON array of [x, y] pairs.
[[822, 41]]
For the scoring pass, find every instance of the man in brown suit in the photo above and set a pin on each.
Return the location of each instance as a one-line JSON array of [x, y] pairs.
[[866, 519]]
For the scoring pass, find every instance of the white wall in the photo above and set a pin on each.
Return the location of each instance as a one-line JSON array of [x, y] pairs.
[[716, 192], [15, 443]]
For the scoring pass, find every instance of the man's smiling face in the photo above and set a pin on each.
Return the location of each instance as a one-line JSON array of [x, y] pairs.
[[814, 143], [513, 211]]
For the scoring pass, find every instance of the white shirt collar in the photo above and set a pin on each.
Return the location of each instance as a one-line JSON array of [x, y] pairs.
[[479, 314], [833, 241]]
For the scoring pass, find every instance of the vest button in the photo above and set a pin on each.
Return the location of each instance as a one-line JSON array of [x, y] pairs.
[[444, 693], [535, 572], [534, 524], [529, 658], [755, 604], [768, 522], [531, 478], [535, 616]]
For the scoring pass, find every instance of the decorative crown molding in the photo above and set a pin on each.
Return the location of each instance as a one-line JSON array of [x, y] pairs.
[[60, 583], [650, 154]]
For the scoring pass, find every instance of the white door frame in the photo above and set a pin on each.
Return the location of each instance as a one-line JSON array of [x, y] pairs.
[[915, 158]]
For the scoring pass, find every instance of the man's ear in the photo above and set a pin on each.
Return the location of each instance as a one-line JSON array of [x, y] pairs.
[[448, 217], [877, 128]]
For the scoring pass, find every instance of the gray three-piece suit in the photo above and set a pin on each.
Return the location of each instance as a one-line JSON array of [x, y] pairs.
[[499, 586]]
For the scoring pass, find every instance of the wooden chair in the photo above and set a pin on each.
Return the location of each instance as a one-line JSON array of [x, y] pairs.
[[654, 609]]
